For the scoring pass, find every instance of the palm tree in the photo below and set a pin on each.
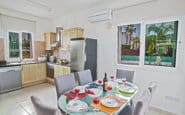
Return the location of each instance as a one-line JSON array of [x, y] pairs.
[[130, 29], [136, 43]]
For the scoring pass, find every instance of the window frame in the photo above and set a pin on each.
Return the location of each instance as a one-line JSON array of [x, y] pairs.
[[20, 46], [142, 45]]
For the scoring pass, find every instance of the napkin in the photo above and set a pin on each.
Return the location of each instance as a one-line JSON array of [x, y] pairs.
[[72, 95], [116, 90]]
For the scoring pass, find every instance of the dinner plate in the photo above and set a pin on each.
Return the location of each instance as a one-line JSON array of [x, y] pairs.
[[120, 81], [126, 89], [97, 92], [76, 106], [111, 102]]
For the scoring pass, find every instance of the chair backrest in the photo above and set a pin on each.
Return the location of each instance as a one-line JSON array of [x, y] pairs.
[[42, 109], [152, 87], [64, 83], [129, 75], [84, 77], [142, 104]]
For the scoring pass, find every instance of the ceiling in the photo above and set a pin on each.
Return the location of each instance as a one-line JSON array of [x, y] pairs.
[[56, 8]]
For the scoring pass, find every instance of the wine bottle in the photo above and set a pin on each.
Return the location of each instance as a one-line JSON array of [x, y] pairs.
[[105, 82]]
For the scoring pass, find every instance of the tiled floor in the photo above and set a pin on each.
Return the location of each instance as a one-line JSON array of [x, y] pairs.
[[18, 102]]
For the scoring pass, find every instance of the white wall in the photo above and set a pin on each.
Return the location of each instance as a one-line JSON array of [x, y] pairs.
[[169, 95], [40, 26]]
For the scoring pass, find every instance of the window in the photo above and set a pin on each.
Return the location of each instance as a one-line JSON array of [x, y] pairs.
[[14, 50], [27, 45], [159, 48], [161, 44], [129, 44]]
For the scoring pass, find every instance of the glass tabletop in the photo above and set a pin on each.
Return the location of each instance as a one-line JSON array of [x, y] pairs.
[[63, 100]]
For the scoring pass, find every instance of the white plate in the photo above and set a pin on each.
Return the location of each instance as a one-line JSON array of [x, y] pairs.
[[99, 83], [76, 106], [97, 92], [119, 81], [126, 89], [111, 102]]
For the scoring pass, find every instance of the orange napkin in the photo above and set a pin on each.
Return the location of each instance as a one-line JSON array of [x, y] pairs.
[[109, 110]]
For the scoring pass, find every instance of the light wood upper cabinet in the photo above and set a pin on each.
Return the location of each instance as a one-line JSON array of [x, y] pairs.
[[33, 73], [67, 34], [49, 37], [39, 48]]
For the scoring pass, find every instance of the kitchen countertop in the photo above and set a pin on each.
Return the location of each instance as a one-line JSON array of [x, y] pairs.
[[52, 64], [18, 64]]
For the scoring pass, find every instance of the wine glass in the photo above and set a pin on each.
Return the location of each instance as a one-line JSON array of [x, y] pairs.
[[96, 101], [123, 80], [112, 78], [100, 82], [109, 89]]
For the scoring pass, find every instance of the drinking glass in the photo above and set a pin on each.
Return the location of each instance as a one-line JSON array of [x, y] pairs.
[[123, 80], [109, 89], [100, 82], [96, 101]]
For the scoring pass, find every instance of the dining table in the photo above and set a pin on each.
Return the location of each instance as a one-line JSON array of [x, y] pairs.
[[118, 92]]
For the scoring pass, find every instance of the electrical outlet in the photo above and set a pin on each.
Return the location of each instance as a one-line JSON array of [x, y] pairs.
[[172, 99]]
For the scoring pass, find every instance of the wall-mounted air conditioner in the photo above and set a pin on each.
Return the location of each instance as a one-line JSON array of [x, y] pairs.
[[100, 16]]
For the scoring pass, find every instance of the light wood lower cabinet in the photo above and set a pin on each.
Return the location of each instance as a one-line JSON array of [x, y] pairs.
[[61, 70], [33, 74]]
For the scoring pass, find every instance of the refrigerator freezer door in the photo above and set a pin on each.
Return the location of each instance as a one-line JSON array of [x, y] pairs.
[[77, 55]]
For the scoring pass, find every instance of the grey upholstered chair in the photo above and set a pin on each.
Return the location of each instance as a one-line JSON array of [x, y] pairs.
[[42, 109], [152, 87], [64, 83], [141, 106], [84, 77], [129, 75]]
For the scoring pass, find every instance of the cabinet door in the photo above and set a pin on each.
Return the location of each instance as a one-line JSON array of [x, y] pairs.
[[49, 39], [58, 70], [66, 70], [28, 73], [41, 71]]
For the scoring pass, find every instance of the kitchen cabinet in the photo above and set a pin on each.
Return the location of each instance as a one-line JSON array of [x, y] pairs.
[[39, 48], [2, 49], [61, 70], [67, 34], [49, 37], [33, 73]]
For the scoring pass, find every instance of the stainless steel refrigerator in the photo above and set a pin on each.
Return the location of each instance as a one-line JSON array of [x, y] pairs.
[[84, 55]]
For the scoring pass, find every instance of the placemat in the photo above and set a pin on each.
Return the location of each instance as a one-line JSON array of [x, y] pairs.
[[109, 110]]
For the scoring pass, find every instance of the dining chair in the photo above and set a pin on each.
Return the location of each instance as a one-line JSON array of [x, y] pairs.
[[42, 109], [129, 75], [152, 87], [84, 77], [64, 83], [141, 106]]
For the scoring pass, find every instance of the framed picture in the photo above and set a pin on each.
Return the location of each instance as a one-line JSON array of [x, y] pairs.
[[161, 44], [129, 44]]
